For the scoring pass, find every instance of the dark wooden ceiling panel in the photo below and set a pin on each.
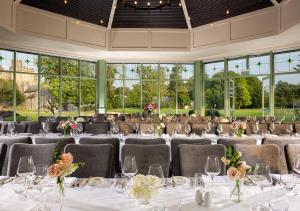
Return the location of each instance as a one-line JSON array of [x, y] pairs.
[[91, 11], [167, 17], [208, 11]]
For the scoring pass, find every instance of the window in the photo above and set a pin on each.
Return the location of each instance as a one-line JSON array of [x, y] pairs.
[[214, 70], [238, 66], [6, 60], [287, 62]]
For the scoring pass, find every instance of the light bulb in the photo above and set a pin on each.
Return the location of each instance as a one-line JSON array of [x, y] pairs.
[[66, 1], [148, 3], [227, 12], [135, 2], [179, 4], [160, 2], [101, 21]]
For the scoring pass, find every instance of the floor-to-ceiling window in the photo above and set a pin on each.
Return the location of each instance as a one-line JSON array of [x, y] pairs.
[[287, 85], [131, 86], [45, 85]]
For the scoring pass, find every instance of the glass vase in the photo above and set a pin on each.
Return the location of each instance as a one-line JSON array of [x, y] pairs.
[[60, 186], [236, 192]]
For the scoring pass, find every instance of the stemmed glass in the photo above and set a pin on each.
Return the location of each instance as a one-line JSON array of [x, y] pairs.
[[248, 118], [273, 118], [25, 170], [45, 127], [10, 128], [256, 129], [151, 129], [220, 129], [178, 128], [234, 118], [79, 127], [212, 167], [288, 180], [129, 167], [156, 170], [262, 176], [41, 181], [290, 129], [208, 127], [272, 127], [282, 120], [296, 166], [136, 128], [187, 129]]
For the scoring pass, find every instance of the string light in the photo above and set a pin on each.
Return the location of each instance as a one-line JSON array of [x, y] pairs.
[[148, 4], [160, 2], [101, 21], [179, 4], [77, 22], [135, 2], [66, 1], [227, 12]]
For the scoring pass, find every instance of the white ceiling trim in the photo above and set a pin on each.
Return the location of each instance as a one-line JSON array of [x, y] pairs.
[[275, 2], [112, 14], [186, 14]]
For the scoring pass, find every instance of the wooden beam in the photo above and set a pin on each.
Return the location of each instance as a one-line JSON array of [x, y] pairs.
[[186, 14], [275, 2], [112, 14]]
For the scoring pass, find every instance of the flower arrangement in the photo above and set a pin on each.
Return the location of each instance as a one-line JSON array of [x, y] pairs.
[[144, 187], [150, 108], [110, 118], [67, 126], [239, 127], [160, 129], [236, 170], [62, 166]]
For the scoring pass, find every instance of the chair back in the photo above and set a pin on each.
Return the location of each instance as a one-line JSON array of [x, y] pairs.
[[297, 127], [174, 150], [97, 128], [9, 141], [3, 149], [115, 142], [20, 127], [268, 154], [145, 141], [199, 128], [148, 154], [192, 158], [262, 128], [228, 142], [63, 141], [98, 159], [126, 127], [281, 129], [41, 154], [292, 152], [33, 127]]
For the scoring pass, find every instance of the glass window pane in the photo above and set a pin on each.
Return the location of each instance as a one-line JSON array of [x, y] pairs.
[[187, 71], [168, 97], [184, 97], [49, 95], [132, 96], [27, 97], [6, 60], [214, 95], [259, 65], [88, 97], [69, 88], [88, 69], [132, 71], [27, 63], [287, 95], [70, 67], [49, 65], [150, 71], [214, 70], [115, 71], [166, 70], [150, 92], [6, 96], [114, 102], [287, 62], [238, 66]]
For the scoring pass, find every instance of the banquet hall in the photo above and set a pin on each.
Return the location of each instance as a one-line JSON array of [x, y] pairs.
[[149, 105]]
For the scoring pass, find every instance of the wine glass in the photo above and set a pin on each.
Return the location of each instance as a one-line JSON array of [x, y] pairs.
[[234, 118], [290, 129], [273, 118], [45, 127], [156, 170], [26, 169], [208, 127], [254, 118], [10, 128], [178, 128], [151, 129], [282, 119], [281, 203], [79, 127], [129, 167], [116, 129], [288, 180], [272, 127], [256, 129], [220, 129], [296, 166], [187, 129], [248, 118], [212, 167], [262, 176]]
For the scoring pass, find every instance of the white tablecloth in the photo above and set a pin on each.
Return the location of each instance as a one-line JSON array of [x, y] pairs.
[[105, 198]]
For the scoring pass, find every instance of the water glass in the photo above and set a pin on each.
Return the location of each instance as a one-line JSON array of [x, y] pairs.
[[129, 167], [256, 128], [187, 129], [288, 180], [212, 167], [262, 176], [296, 166], [79, 127], [198, 180], [272, 127], [26, 169], [156, 170], [10, 128], [45, 127], [290, 129], [208, 127], [279, 204], [120, 183], [151, 129], [220, 129]]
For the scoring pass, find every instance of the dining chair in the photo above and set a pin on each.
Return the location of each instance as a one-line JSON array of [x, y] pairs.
[[229, 142], [175, 142], [297, 127], [20, 127], [41, 154], [33, 127], [268, 154], [115, 142], [3, 149], [281, 129], [148, 154], [281, 142], [9, 141], [199, 128], [97, 128], [97, 159], [292, 152], [145, 141], [63, 141], [126, 127], [192, 158]]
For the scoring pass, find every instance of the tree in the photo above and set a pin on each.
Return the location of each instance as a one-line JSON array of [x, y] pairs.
[[255, 90], [7, 93]]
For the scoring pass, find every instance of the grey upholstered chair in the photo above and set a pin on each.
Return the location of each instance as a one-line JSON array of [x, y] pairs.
[[113, 141], [297, 127], [41, 154], [292, 151], [198, 128], [192, 158], [268, 154], [227, 142], [9, 141], [33, 127], [281, 142], [97, 128], [3, 149], [21, 127], [148, 154], [63, 141], [126, 127], [281, 129], [98, 159], [144, 141], [174, 150], [3, 128], [53, 126]]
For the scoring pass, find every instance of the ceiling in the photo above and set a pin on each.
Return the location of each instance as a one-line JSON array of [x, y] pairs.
[[201, 12]]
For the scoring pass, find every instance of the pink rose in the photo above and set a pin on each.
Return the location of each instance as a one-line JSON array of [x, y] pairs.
[[234, 174], [54, 170], [66, 160]]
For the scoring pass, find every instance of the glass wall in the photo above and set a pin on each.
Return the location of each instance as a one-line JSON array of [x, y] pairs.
[[131, 86], [45, 85]]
